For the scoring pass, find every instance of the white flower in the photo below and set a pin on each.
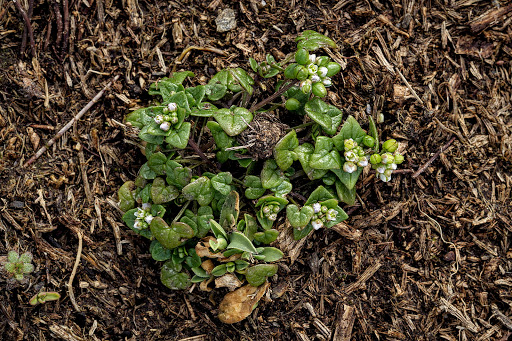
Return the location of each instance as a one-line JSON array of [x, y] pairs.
[[272, 216], [331, 214], [149, 219], [388, 173], [381, 169], [313, 69], [165, 126], [350, 156], [315, 78], [327, 81], [146, 206], [322, 71], [317, 207], [137, 225], [362, 162], [266, 210], [312, 58], [172, 106], [384, 177], [317, 224], [349, 167], [392, 166], [159, 119]]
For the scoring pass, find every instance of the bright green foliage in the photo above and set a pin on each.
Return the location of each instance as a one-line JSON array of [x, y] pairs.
[[44, 297], [18, 265]]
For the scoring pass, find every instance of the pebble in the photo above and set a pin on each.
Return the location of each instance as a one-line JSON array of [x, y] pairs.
[[226, 21]]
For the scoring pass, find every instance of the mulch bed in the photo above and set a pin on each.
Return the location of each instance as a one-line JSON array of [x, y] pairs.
[[424, 257]]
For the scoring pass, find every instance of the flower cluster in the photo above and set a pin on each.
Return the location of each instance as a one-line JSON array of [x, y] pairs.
[[385, 163], [168, 118], [322, 215], [354, 156], [270, 211], [142, 217]]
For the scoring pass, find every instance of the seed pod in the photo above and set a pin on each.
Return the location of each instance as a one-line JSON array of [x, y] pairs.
[[333, 68], [368, 141], [292, 104], [375, 159], [289, 72], [399, 158], [301, 73], [390, 145], [302, 56], [319, 90]]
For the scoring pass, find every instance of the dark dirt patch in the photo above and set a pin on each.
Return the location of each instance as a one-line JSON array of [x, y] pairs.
[[420, 258]]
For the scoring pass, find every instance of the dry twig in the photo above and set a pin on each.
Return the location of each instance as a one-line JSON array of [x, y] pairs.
[[73, 273], [429, 162], [28, 25]]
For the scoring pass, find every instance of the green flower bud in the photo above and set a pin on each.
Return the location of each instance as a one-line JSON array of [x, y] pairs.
[[301, 73], [349, 144], [290, 71], [399, 158], [324, 209], [319, 90], [306, 86], [388, 172], [375, 159], [333, 68], [266, 210], [302, 56], [368, 141], [390, 146], [387, 158], [276, 209], [292, 104]]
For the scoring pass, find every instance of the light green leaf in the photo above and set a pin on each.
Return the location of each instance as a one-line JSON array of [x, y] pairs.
[[267, 236], [221, 182], [324, 156], [254, 188], [318, 195], [233, 121], [284, 150], [217, 230], [156, 163], [243, 79], [348, 179], [257, 275], [230, 210], [304, 152], [270, 174], [271, 254], [326, 115], [312, 40], [351, 129], [126, 196], [241, 242], [179, 138], [299, 218], [299, 234]]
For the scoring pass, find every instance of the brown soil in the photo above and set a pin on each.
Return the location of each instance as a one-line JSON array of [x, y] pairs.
[[424, 257]]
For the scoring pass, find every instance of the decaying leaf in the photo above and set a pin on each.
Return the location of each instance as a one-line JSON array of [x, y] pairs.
[[237, 305], [229, 281], [203, 250]]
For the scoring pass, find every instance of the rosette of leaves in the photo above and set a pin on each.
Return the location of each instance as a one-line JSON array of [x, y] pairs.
[[19, 265], [300, 218]]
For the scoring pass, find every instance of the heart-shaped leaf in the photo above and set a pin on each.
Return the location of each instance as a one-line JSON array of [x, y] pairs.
[[284, 150], [197, 92], [243, 78], [304, 152], [233, 121], [312, 40], [348, 179], [170, 236], [318, 195], [326, 115], [201, 190], [271, 254], [171, 277], [324, 156], [299, 218], [230, 211], [346, 195], [257, 275], [204, 214], [282, 189], [160, 193], [126, 196], [271, 174], [267, 236], [157, 163], [254, 188], [179, 138], [146, 172], [159, 252], [221, 182]]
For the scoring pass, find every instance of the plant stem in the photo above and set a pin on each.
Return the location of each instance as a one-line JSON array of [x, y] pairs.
[[180, 213], [278, 93], [303, 125]]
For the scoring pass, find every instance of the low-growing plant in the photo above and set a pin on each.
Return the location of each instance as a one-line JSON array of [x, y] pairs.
[[44, 297], [210, 209], [18, 265]]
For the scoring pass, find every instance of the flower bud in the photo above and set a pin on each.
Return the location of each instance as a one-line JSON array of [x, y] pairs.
[[381, 169], [368, 141], [388, 173], [349, 144], [137, 225], [392, 166], [315, 78], [323, 209], [172, 106], [266, 210], [349, 167], [292, 104], [312, 69], [306, 86], [302, 56], [317, 207], [375, 159], [301, 72], [333, 68], [322, 71], [322, 60], [146, 206], [384, 178], [390, 145], [165, 126], [272, 217], [362, 162], [327, 82], [312, 58], [399, 158], [276, 208], [159, 119], [387, 158], [350, 156], [174, 119]]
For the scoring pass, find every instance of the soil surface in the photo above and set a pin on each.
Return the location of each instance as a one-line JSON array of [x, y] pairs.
[[425, 256]]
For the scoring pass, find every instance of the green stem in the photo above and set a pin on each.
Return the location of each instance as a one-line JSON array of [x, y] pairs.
[[303, 125], [180, 213], [278, 93]]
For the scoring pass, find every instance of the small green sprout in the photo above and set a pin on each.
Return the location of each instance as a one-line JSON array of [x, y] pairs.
[[44, 297], [19, 265]]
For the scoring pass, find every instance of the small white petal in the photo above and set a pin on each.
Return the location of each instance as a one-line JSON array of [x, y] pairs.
[[317, 224], [172, 106], [312, 57], [381, 169], [322, 71], [363, 163], [315, 78], [317, 207], [165, 126], [149, 219]]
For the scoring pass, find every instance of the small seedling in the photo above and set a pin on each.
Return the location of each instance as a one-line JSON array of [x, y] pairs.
[[44, 297], [19, 265]]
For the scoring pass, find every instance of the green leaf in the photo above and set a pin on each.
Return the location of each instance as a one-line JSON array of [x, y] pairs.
[[222, 140], [145, 193], [251, 226], [177, 175], [271, 254], [266, 237], [141, 117], [27, 268], [159, 252], [13, 257], [257, 275], [201, 190], [241, 242], [284, 150], [179, 77], [129, 219], [375, 134], [170, 236], [219, 270], [193, 260], [254, 64], [146, 172], [179, 138], [44, 297], [171, 277], [299, 234], [326, 115], [270, 174], [204, 109], [304, 152], [217, 230], [197, 92], [160, 193], [312, 40], [351, 129], [348, 179], [200, 272], [230, 210], [299, 219], [282, 189], [243, 79], [254, 188], [318, 195], [157, 210], [25, 258], [126, 196], [233, 121], [221, 182], [204, 214], [216, 91], [346, 195], [324, 156]]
